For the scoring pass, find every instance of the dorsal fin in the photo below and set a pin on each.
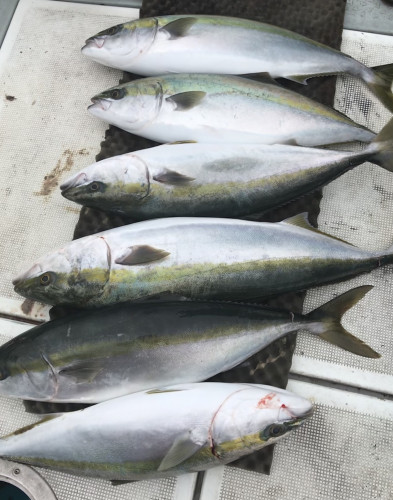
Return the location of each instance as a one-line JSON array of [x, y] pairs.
[[301, 220]]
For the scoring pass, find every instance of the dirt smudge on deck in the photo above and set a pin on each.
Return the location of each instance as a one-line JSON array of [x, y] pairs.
[[64, 164]]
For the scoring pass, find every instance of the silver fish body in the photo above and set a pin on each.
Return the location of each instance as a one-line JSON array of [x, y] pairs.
[[215, 180], [225, 45], [222, 109], [106, 353], [194, 257], [163, 433]]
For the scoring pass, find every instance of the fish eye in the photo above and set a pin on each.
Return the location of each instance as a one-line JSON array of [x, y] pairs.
[[95, 187], [113, 30], [276, 430], [117, 93], [45, 279]]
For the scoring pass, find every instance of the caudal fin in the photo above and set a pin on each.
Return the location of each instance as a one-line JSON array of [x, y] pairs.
[[383, 147], [381, 85], [330, 328]]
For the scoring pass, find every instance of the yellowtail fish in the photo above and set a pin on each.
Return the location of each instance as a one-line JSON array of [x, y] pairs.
[[214, 180], [222, 109], [109, 352], [225, 45], [202, 258], [160, 433]]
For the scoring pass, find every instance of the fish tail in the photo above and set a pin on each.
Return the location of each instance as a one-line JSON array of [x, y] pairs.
[[382, 146], [387, 257], [327, 322], [381, 84]]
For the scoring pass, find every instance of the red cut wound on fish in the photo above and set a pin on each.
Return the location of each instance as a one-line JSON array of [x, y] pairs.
[[267, 401]]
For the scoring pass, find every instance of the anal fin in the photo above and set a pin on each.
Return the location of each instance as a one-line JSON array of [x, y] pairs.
[[119, 482], [302, 79]]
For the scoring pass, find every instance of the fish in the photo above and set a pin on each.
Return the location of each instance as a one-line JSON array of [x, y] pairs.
[[194, 257], [226, 45], [160, 433], [222, 109], [117, 350], [202, 180]]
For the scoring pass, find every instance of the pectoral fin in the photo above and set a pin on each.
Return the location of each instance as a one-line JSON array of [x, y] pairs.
[[301, 220], [187, 100], [182, 448], [168, 176], [180, 27], [82, 371], [141, 254]]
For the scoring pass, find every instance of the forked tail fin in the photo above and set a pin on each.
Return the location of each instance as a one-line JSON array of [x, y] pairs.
[[328, 322], [381, 85], [383, 147]]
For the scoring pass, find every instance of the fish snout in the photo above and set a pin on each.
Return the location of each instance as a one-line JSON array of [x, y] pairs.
[[298, 410], [21, 278]]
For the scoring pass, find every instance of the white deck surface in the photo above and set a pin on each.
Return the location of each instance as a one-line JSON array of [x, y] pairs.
[[343, 452], [358, 207]]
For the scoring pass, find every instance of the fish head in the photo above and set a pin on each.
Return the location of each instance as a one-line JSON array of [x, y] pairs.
[[120, 45], [129, 106], [110, 183], [75, 274], [25, 371], [258, 416]]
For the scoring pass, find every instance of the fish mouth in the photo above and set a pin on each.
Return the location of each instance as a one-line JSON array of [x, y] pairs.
[[94, 43], [71, 193], [73, 182], [301, 418], [99, 104]]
